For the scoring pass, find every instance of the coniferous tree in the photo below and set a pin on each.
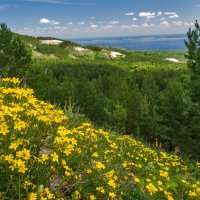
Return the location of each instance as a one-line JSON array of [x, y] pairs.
[[13, 54], [193, 55]]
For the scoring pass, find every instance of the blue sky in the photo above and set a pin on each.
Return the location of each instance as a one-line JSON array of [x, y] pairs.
[[92, 18]]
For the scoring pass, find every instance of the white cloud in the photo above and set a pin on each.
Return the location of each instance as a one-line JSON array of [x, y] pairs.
[[93, 26], [108, 27], [102, 22], [174, 16], [60, 28], [162, 19], [177, 23], [92, 17], [124, 27], [45, 21], [48, 21], [134, 26], [26, 28], [134, 19], [188, 23], [53, 22], [129, 14], [70, 23], [150, 17], [113, 22], [146, 25], [169, 13], [146, 14], [164, 23], [81, 23], [159, 13]]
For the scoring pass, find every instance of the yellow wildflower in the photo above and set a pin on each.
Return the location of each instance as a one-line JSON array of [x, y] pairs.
[[92, 197], [19, 125], [32, 196], [168, 195], [112, 183], [151, 188], [95, 155], [164, 174], [54, 157], [99, 165], [112, 195], [4, 128], [192, 194], [13, 145], [100, 189], [44, 157]]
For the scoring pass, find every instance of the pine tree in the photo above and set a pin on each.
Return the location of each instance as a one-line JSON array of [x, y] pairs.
[[13, 54], [193, 55]]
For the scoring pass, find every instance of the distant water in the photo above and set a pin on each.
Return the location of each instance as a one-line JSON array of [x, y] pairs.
[[153, 42]]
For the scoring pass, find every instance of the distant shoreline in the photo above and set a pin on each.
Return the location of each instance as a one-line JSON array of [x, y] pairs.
[[125, 36], [164, 42]]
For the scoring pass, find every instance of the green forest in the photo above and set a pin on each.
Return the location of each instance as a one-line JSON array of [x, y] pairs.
[[141, 94]]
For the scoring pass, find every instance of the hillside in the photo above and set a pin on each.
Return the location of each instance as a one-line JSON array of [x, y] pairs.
[[44, 47], [47, 154], [141, 93], [119, 124]]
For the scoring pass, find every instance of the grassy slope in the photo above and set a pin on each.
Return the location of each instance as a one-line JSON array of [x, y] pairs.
[[66, 52], [80, 162]]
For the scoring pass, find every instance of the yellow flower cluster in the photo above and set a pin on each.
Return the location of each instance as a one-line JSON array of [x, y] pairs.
[[25, 125], [40, 153]]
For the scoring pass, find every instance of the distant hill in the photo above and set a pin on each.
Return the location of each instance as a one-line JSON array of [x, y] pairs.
[[55, 48], [62, 49]]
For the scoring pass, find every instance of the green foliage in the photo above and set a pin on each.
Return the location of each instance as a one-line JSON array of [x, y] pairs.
[[13, 54], [29, 41], [193, 55], [134, 194], [94, 48], [68, 44], [141, 94], [151, 102], [46, 38], [193, 46], [52, 50]]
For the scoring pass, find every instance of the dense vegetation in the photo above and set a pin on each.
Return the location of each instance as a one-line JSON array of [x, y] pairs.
[[147, 102], [140, 94], [46, 154]]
